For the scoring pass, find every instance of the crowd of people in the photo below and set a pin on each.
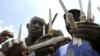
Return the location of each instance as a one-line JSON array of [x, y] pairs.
[[85, 38]]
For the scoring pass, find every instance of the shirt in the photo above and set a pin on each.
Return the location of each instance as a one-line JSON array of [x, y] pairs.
[[74, 50]]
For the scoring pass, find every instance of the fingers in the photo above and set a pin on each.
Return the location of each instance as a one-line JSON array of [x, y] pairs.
[[14, 47], [11, 48], [5, 47]]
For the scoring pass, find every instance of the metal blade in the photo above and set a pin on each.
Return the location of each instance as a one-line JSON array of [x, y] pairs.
[[50, 19], [81, 8], [89, 11], [43, 30], [63, 6], [54, 18], [19, 35], [73, 26], [98, 9], [65, 10], [50, 23], [82, 14]]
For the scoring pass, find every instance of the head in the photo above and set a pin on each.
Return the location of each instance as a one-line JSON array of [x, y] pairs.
[[76, 15], [35, 27], [4, 35]]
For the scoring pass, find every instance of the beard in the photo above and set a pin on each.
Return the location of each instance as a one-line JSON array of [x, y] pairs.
[[35, 35]]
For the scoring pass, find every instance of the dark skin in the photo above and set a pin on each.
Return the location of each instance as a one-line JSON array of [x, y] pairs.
[[35, 31], [85, 30], [42, 51], [76, 15], [35, 28], [50, 49], [37, 25], [90, 32], [96, 45], [4, 35]]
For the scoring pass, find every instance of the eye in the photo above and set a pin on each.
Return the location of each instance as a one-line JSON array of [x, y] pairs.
[[6, 38], [34, 22], [41, 23]]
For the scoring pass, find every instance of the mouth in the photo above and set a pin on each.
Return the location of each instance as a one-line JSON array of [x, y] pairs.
[[35, 31]]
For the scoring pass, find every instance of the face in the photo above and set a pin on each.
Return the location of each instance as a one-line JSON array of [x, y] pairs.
[[35, 27], [4, 35], [3, 39]]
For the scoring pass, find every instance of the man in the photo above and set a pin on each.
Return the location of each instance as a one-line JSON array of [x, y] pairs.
[[34, 27], [4, 35], [76, 15], [88, 32], [35, 31]]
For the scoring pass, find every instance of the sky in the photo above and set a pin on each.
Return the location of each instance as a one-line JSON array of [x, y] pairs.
[[16, 12]]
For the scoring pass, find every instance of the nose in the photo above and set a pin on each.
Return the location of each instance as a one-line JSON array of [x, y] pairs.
[[6, 37], [37, 25]]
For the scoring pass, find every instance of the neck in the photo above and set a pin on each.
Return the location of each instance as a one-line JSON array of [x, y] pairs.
[[30, 40]]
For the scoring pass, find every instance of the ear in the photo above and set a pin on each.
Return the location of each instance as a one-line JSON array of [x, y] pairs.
[[27, 25], [64, 16]]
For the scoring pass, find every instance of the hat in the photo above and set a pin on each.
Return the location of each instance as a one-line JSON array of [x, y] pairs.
[[76, 14]]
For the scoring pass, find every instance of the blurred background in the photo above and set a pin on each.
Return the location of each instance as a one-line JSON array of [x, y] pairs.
[[16, 12]]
